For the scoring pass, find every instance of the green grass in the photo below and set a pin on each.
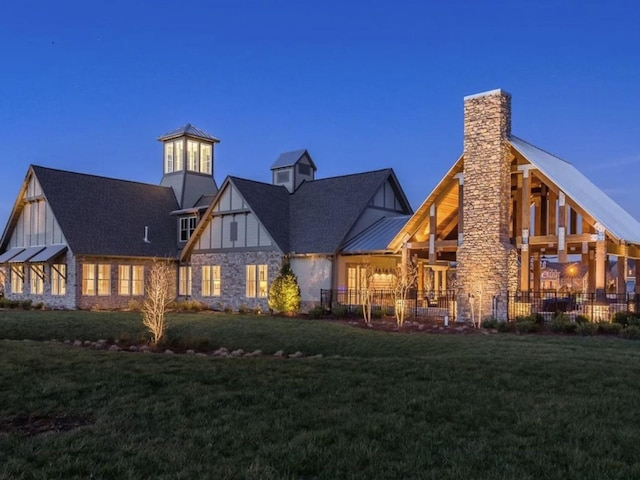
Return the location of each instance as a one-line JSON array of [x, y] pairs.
[[392, 406]]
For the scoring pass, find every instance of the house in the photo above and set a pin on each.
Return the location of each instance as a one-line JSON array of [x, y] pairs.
[[83, 241], [505, 204]]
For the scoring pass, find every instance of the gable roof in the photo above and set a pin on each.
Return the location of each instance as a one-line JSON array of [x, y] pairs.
[[288, 159], [107, 216], [582, 191], [270, 203], [190, 130], [377, 237], [322, 212]]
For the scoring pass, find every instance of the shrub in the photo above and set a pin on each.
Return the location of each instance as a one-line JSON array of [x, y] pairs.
[[622, 318], [316, 312], [340, 311], [631, 332], [561, 324], [506, 327], [358, 312], [228, 309], [581, 319], [490, 322], [26, 304], [526, 326], [284, 294], [39, 306], [243, 309], [587, 329], [607, 328], [376, 313]]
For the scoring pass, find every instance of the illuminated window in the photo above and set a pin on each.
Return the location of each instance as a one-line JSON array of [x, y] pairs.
[[193, 157], [184, 280], [205, 158], [211, 281], [257, 282], [59, 279], [178, 156], [88, 279], [17, 278], [168, 157], [104, 279], [187, 226], [37, 279], [130, 280]]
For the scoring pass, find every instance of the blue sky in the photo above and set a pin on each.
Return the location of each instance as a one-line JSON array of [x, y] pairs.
[[89, 86]]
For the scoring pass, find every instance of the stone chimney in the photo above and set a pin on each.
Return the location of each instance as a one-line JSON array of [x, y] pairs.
[[487, 262]]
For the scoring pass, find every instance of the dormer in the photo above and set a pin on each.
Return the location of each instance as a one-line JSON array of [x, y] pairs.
[[188, 164], [292, 168]]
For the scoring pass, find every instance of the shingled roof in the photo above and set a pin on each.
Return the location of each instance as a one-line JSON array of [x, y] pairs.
[[106, 216], [323, 212]]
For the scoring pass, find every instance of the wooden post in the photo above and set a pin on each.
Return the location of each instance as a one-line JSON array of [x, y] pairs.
[[592, 271], [536, 272], [573, 221], [562, 230], [622, 271], [637, 287], [420, 276], [433, 225], [517, 210], [552, 199], [601, 260], [544, 210], [526, 221]]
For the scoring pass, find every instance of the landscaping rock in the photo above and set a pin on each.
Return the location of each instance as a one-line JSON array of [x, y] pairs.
[[144, 348], [190, 352], [237, 353], [200, 354], [67, 342], [319, 355], [86, 343], [279, 353], [221, 351], [298, 354], [133, 348], [101, 341], [77, 343], [114, 348], [168, 352]]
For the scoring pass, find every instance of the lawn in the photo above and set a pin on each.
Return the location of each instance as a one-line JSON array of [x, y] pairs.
[[377, 405]]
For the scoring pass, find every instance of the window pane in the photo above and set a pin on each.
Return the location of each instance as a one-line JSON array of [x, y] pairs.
[[17, 278], [58, 279], [206, 281], [215, 274], [168, 157], [124, 280], [184, 282], [104, 279], [263, 289], [88, 279], [37, 279], [192, 156], [137, 280], [251, 281], [178, 155], [205, 158]]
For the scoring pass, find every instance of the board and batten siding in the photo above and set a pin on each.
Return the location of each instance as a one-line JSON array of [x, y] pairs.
[[36, 224], [232, 225], [314, 274], [387, 198]]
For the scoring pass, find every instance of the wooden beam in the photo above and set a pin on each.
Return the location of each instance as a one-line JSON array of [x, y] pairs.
[[433, 226], [622, 272], [637, 288], [592, 271], [544, 210], [525, 204], [601, 261], [536, 272], [573, 221], [552, 201], [562, 230]]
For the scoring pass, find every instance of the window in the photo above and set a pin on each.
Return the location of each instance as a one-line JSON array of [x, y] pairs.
[[178, 155], [205, 158], [104, 279], [17, 278], [168, 157], [193, 157], [282, 177], [130, 280], [37, 279], [257, 284], [184, 281], [187, 226], [59, 279], [234, 232], [211, 281], [304, 168], [88, 279]]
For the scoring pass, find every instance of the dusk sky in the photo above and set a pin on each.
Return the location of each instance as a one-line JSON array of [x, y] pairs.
[[89, 86]]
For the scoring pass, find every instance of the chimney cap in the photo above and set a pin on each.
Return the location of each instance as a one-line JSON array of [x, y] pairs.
[[497, 91]]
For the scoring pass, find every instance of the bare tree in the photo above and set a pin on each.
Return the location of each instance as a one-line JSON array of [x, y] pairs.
[[404, 281], [159, 293], [367, 290]]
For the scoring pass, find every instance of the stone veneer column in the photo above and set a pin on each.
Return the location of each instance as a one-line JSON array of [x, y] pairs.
[[487, 262]]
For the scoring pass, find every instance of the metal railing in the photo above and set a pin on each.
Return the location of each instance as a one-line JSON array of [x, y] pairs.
[[418, 304]]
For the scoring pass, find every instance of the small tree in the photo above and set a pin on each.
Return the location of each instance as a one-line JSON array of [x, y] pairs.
[[404, 281], [158, 295], [284, 294], [366, 290]]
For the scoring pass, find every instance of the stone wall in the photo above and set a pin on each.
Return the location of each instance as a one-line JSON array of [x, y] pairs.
[[486, 257], [233, 277]]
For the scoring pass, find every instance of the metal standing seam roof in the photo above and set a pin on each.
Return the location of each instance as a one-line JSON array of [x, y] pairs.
[[377, 237], [9, 254], [581, 190], [48, 253], [288, 159], [188, 129], [26, 254]]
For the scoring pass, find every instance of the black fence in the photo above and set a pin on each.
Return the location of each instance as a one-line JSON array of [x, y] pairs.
[[419, 304], [594, 306]]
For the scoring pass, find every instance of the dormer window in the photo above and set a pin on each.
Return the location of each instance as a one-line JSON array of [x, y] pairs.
[[187, 226]]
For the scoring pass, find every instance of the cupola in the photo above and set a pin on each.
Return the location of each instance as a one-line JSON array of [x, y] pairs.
[[293, 168]]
